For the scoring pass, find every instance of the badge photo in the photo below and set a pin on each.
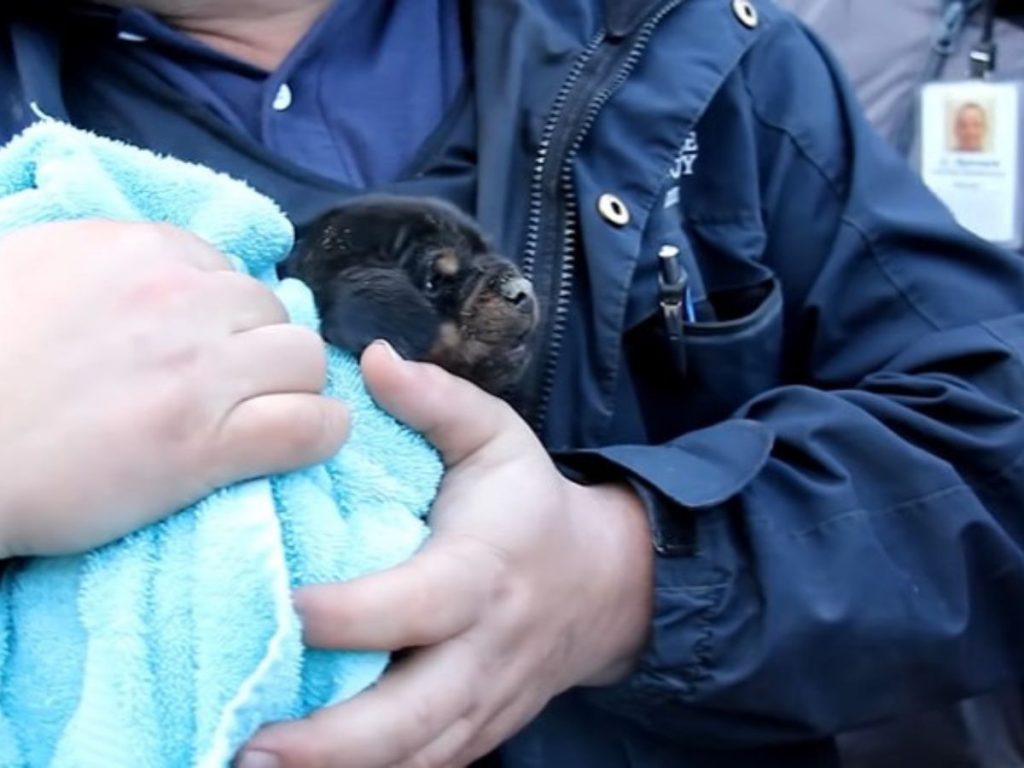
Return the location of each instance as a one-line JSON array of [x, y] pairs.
[[970, 136]]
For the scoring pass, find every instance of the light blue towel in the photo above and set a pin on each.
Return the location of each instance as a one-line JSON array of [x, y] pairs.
[[172, 646]]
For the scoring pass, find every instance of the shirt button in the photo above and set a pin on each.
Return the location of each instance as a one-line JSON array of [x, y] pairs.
[[283, 98]]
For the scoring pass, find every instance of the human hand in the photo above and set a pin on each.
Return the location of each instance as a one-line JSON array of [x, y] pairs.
[[529, 585], [139, 373]]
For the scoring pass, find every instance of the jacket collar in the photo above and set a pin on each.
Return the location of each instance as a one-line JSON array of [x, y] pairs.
[[621, 17]]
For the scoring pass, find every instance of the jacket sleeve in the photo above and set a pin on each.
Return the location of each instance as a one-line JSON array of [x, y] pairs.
[[849, 545]]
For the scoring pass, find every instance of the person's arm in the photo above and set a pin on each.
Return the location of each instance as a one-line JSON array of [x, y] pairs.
[[138, 372], [859, 531]]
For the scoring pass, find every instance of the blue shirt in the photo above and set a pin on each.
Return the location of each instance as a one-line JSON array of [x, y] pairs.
[[354, 100]]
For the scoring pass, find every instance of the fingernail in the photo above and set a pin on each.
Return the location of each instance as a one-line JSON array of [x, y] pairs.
[[387, 346], [256, 759], [299, 601]]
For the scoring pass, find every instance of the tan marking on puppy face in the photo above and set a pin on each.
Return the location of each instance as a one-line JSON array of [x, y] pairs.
[[447, 345], [447, 263]]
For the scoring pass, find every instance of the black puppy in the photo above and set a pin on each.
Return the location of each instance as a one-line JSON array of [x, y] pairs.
[[419, 273]]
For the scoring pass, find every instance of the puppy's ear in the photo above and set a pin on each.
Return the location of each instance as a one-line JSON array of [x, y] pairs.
[[361, 304]]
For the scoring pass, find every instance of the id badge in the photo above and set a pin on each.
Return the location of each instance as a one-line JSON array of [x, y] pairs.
[[970, 154]]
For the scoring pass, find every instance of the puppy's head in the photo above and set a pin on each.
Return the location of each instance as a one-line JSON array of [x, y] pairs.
[[486, 312]]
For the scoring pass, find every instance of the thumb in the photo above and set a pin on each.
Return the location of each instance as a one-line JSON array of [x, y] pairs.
[[457, 417]]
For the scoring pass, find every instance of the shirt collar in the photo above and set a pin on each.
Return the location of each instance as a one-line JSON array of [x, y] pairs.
[[141, 27]]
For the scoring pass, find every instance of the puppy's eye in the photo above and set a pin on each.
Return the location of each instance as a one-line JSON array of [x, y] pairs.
[[444, 264]]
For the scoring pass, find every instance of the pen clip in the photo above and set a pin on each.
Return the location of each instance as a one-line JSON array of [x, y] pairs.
[[676, 302]]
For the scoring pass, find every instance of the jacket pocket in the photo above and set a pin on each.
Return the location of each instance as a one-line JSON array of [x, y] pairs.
[[728, 359]]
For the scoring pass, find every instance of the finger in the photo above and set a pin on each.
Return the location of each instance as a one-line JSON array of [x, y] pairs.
[[447, 749], [273, 359], [142, 240], [455, 416], [244, 300], [410, 708], [436, 595], [158, 239], [193, 249], [275, 433], [485, 738], [511, 703]]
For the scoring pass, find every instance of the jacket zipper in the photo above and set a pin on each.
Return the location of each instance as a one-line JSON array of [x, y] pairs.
[[552, 223]]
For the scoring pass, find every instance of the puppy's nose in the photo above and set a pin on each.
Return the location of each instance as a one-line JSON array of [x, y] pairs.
[[519, 292]]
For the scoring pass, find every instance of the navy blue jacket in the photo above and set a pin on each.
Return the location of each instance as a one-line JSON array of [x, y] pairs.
[[834, 455]]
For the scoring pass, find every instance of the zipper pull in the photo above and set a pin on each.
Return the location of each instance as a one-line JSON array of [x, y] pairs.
[[676, 302]]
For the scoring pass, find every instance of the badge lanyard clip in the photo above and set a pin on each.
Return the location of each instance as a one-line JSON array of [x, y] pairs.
[[983, 54]]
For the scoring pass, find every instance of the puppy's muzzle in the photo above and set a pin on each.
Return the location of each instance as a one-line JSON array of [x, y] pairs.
[[518, 291]]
